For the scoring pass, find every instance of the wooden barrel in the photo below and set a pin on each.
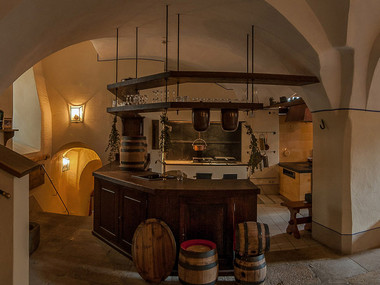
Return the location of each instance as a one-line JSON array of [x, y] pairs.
[[133, 152], [154, 250], [250, 270], [252, 238], [198, 262]]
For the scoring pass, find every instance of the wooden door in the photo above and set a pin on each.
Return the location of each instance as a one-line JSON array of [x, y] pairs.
[[106, 210], [133, 209], [210, 219]]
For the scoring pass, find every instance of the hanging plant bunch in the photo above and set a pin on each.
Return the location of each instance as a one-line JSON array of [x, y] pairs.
[[165, 143], [113, 141], [255, 156]]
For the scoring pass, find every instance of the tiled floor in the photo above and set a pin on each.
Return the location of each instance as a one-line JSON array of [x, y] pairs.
[[70, 255], [276, 216]]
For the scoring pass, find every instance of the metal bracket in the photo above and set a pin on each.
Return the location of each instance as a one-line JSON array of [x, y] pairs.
[[5, 194]]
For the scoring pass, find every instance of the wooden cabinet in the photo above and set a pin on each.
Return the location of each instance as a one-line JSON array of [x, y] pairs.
[[211, 220], [117, 213], [294, 185], [193, 209], [133, 212]]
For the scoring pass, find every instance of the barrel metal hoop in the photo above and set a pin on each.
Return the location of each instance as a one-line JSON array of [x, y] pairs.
[[250, 268], [251, 258], [198, 267], [132, 150], [246, 237], [186, 283], [131, 163], [133, 144], [249, 282], [267, 237], [133, 137], [259, 237], [193, 254]]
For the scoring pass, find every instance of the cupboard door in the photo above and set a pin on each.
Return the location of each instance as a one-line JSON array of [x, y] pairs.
[[210, 220], [133, 212], [106, 215]]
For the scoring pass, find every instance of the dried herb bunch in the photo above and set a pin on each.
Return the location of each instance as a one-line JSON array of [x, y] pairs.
[[255, 156], [165, 143], [113, 141]]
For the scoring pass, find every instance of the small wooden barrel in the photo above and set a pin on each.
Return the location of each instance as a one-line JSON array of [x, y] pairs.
[[250, 270], [198, 262], [252, 238], [133, 152]]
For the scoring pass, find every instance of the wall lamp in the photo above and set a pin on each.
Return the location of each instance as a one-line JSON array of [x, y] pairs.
[[76, 114], [65, 164]]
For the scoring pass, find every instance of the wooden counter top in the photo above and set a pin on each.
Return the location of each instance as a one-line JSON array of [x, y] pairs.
[[112, 173]]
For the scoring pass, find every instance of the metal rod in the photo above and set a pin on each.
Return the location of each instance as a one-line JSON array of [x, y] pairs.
[[56, 191], [252, 59], [247, 64], [5, 194], [166, 51], [117, 59], [178, 53], [137, 48], [167, 37]]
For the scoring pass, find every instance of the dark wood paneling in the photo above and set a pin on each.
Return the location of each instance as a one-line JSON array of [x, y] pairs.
[[133, 212], [36, 178], [106, 214]]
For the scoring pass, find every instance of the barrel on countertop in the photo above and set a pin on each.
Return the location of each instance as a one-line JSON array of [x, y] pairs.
[[252, 238], [250, 270], [198, 262], [133, 152]]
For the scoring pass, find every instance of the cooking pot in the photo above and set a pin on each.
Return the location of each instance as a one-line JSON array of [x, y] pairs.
[[201, 119], [199, 145], [230, 119]]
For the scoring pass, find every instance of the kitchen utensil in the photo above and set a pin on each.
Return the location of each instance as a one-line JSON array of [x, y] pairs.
[[262, 142], [230, 119], [199, 145], [201, 119]]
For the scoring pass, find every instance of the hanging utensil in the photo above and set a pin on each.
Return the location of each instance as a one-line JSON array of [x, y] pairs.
[[199, 144]]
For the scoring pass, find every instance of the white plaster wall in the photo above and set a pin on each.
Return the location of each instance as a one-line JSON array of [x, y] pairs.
[[21, 231], [26, 114], [6, 232]]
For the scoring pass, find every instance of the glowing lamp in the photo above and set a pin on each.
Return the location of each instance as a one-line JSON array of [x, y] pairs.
[[65, 164], [76, 114]]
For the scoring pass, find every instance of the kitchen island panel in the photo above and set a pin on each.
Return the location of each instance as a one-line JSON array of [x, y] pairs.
[[204, 209]]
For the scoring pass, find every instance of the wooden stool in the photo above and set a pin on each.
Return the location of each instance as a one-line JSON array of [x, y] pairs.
[[294, 209]]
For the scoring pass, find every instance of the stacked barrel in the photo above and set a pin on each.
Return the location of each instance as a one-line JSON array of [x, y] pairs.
[[133, 152], [252, 240]]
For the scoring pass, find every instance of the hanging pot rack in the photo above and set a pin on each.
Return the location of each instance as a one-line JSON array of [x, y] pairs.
[[169, 77]]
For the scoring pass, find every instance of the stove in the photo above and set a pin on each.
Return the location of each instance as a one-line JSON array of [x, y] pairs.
[[216, 159]]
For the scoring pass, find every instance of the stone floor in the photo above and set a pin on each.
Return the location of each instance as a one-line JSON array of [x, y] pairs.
[[69, 255]]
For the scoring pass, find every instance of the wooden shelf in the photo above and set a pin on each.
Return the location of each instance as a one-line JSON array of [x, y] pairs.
[[130, 110], [286, 104], [131, 86], [14, 163], [8, 134]]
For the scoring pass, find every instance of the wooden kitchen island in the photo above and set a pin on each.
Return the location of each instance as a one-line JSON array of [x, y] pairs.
[[193, 209]]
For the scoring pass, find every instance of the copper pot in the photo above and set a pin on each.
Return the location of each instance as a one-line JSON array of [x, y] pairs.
[[230, 119], [201, 119], [199, 145]]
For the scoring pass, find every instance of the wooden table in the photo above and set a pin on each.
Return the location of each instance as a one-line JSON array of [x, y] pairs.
[[294, 209]]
